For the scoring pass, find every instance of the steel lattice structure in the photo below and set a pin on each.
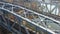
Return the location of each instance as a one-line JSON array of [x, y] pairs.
[[39, 20]]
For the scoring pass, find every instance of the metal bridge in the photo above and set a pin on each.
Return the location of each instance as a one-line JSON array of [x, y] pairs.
[[39, 21]]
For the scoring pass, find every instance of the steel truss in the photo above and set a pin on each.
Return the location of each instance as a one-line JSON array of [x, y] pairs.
[[40, 21]]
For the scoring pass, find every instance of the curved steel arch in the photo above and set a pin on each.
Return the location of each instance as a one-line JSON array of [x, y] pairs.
[[12, 12], [30, 11]]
